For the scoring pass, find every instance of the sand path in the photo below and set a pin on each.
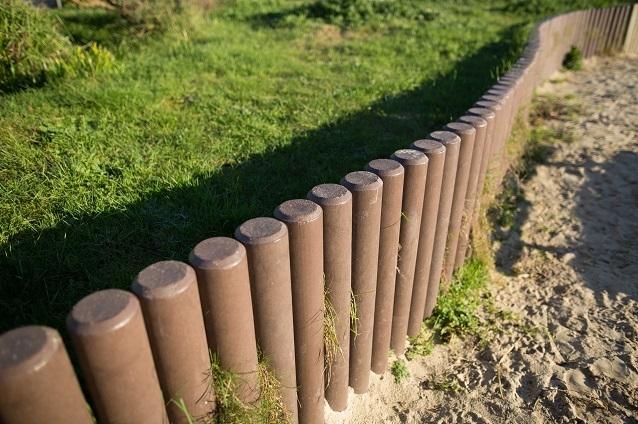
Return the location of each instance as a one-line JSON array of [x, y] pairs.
[[568, 351]]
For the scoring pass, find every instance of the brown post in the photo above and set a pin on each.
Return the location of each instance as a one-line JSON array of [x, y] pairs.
[[392, 174], [266, 242], [596, 31], [415, 164], [336, 202], [622, 27], [582, 29], [304, 220], [602, 22], [468, 135], [630, 44], [170, 303], [435, 153], [452, 144], [480, 125], [619, 27], [599, 28], [498, 135], [108, 333], [367, 194], [488, 115], [37, 382], [588, 32], [602, 28], [507, 114], [609, 30], [504, 92], [224, 288]]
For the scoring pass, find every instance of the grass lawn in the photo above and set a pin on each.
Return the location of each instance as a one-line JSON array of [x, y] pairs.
[[198, 130]]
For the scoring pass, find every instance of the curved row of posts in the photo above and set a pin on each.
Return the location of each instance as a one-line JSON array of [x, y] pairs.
[[377, 247]]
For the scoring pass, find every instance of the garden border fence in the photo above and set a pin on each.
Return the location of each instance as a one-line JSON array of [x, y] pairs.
[[375, 248]]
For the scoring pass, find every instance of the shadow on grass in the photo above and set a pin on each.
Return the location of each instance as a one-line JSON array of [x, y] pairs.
[[331, 14], [104, 27], [44, 273]]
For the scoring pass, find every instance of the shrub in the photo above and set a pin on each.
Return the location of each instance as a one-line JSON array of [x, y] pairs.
[[30, 43], [552, 7], [399, 371], [573, 59], [33, 49], [456, 310], [358, 12], [150, 15]]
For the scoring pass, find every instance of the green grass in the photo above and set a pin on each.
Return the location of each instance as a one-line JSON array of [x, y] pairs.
[[201, 128], [399, 371], [573, 59], [464, 310], [456, 310], [447, 383], [229, 409]]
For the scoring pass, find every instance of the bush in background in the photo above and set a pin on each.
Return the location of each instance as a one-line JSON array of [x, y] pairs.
[[30, 43], [552, 7], [32, 48], [149, 15], [350, 13]]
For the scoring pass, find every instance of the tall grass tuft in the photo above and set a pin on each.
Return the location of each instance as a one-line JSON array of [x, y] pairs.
[[231, 410], [331, 346], [30, 43], [32, 48], [573, 60], [456, 310]]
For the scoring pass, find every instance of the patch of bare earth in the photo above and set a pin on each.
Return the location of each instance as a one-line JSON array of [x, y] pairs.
[[566, 349]]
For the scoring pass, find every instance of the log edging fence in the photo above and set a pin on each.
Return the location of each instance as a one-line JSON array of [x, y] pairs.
[[378, 245]]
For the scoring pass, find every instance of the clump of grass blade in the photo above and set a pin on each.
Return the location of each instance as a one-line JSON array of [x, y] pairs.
[[456, 309], [399, 371], [230, 409], [573, 60], [421, 345], [332, 349], [354, 317]]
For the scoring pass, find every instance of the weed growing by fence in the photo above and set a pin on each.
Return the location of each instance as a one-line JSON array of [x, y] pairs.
[[231, 410], [456, 310], [399, 371], [422, 344], [354, 317], [459, 311], [573, 59], [331, 346], [181, 405]]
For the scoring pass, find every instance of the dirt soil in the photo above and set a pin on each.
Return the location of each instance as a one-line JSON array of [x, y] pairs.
[[566, 350]]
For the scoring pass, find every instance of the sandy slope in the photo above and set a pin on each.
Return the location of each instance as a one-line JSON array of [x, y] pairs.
[[569, 274]]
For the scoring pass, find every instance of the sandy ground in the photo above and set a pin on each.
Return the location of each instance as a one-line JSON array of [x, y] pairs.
[[567, 346]]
